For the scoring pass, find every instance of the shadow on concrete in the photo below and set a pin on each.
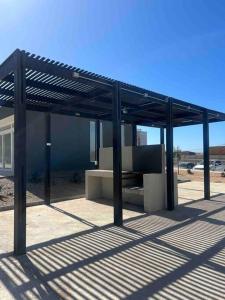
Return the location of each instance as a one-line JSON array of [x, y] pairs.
[[183, 213], [157, 256], [129, 206], [212, 197], [73, 216]]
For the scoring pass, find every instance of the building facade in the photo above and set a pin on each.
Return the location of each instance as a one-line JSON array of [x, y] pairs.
[[141, 137], [73, 142]]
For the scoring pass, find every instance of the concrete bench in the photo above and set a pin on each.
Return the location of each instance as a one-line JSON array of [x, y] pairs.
[[151, 195], [99, 183]]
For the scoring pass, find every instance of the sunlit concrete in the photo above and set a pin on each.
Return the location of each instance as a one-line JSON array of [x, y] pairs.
[[45, 223], [75, 253], [68, 217], [165, 255], [194, 190]]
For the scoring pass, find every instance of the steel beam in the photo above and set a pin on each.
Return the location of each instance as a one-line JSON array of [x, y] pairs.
[[8, 66], [67, 73], [169, 156], [198, 108], [20, 157], [206, 155], [162, 137], [133, 90], [48, 158], [117, 158], [55, 105]]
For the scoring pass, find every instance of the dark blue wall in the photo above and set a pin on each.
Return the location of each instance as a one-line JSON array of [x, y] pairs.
[[70, 149], [70, 143]]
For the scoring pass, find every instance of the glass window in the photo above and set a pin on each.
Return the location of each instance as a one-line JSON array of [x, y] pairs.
[[101, 135], [1, 145], [122, 135], [7, 150], [92, 141]]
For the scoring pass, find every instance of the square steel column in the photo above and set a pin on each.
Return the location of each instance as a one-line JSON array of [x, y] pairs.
[[134, 135], [97, 141], [169, 156], [48, 158], [117, 163], [162, 139], [19, 156], [206, 155]]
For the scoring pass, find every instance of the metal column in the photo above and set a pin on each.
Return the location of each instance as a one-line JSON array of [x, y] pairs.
[[19, 156], [97, 141], [206, 155], [117, 163], [162, 139], [48, 158], [134, 135], [169, 156]]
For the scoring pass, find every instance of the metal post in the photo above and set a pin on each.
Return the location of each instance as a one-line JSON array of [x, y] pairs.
[[162, 139], [97, 142], [206, 155], [169, 156], [48, 158], [117, 164], [134, 135], [19, 156]]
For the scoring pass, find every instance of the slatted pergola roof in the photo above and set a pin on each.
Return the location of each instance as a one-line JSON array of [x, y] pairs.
[[58, 88], [30, 82]]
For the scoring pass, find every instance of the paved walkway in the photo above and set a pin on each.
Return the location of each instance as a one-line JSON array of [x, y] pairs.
[[167, 255], [193, 190]]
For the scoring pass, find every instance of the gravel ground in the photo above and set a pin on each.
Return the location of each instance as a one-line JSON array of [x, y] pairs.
[[199, 176], [34, 191], [61, 188]]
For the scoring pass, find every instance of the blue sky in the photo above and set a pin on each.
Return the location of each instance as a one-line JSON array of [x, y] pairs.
[[176, 47]]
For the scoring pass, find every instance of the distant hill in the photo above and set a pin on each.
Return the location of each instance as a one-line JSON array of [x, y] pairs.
[[217, 150], [188, 153]]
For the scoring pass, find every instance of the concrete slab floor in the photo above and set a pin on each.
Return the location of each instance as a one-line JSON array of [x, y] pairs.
[[60, 219], [193, 190], [74, 253], [69, 217]]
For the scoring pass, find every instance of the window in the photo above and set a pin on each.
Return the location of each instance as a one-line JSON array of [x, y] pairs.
[[1, 160], [92, 141], [122, 135], [6, 151]]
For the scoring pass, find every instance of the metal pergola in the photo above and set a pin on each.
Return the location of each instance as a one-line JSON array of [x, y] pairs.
[[30, 82]]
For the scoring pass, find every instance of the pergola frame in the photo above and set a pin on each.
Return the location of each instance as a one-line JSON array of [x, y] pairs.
[[29, 82]]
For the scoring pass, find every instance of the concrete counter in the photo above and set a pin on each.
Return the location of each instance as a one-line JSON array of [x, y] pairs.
[[152, 195]]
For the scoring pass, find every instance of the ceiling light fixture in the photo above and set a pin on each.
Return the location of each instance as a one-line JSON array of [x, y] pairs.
[[76, 75]]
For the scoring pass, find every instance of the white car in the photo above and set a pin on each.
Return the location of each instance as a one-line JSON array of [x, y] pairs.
[[214, 166], [217, 167], [199, 167]]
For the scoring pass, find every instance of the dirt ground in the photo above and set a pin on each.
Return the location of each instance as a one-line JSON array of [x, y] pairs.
[[35, 192], [64, 188], [61, 188], [199, 176]]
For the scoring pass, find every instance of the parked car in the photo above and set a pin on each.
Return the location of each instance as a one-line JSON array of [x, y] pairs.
[[199, 166], [216, 162], [186, 165], [215, 165]]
